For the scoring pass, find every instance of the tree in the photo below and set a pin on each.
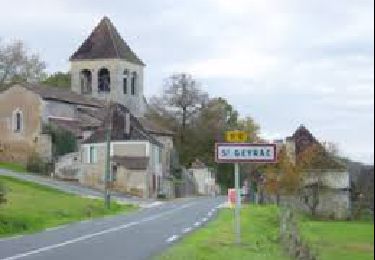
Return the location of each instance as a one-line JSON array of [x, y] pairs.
[[16, 65], [183, 98], [58, 79]]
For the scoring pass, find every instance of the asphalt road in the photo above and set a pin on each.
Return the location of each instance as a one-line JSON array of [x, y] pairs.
[[139, 235]]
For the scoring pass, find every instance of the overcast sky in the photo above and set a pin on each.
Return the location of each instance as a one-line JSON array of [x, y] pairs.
[[283, 62]]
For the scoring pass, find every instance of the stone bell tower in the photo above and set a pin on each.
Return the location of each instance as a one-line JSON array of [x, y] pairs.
[[104, 67]]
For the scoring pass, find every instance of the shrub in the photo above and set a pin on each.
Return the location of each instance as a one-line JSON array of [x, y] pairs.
[[3, 192], [161, 196], [35, 164]]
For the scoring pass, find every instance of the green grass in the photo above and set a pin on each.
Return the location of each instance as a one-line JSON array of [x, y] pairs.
[[260, 238], [31, 207], [344, 240], [12, 166]]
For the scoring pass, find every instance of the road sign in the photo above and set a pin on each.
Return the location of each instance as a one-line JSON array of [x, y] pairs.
[[242, 153], [245, 153], [236, 136]]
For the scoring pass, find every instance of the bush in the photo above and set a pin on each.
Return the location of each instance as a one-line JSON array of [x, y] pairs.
[[35, 164], [3, 192], [161, 196]]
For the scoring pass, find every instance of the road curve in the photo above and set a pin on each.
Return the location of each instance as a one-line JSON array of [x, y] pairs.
[[138, 235]]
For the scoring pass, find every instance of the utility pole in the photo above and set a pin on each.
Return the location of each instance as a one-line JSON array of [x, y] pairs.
[[107, 176]]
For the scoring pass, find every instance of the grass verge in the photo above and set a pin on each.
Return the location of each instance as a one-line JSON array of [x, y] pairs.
[[31, 207], [12, 166], [260, 237], [339, 239]]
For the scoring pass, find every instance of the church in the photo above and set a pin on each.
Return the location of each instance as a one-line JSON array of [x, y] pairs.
[[106, 92]]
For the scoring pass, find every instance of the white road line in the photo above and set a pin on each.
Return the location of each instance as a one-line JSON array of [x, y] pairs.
[[186, 230], [88, 236], [197, 224], [209, 214], [204, 219], [172, 238]]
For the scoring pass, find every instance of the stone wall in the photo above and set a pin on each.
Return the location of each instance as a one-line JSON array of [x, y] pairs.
[[18, 146], [135, 103]]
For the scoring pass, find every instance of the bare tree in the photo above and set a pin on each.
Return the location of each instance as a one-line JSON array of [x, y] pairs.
[[183, 97], [16, 65]]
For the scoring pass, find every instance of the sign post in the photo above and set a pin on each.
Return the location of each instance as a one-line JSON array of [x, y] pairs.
[[238, 203], [242, 153]]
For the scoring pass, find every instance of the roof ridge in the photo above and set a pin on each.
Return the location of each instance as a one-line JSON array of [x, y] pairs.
[[110, 26]]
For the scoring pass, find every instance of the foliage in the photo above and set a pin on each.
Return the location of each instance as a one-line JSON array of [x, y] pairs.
[[339, 239], [204, 123], [36, 164], [316, 157], [16, 65], [284, 177], [3, 192], [63, 141], [260, 233], [33, 207], [182, 99], [58, 79]]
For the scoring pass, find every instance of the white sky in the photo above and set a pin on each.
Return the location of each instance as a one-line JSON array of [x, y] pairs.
[[283, 62]]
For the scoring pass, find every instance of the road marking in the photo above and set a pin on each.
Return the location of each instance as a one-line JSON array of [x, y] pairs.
[[204, 219], [172, 238], [197, 224], [88, 236], [186, 230], [209, 214]]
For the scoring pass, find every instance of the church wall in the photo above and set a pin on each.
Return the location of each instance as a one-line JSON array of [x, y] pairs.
[[17, 146], [135, 103]]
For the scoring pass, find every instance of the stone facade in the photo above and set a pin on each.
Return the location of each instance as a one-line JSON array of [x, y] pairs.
[[140, 180], [116, 67], [18, 145]]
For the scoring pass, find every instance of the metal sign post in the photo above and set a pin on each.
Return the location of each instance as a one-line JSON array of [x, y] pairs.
[[238, 202], [242, 153]]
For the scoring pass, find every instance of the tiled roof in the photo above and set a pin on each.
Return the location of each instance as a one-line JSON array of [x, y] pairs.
[[105, 43], [63, 95], [137, 132], [153, 128]]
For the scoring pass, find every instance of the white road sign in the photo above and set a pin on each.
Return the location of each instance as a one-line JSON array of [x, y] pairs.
[[245, 152]]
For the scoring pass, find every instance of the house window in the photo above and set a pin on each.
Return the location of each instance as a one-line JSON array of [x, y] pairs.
[[133, 82], [86, 81], [114, 173], [17, 121], [104, 80], [125, 81], [92, 158]]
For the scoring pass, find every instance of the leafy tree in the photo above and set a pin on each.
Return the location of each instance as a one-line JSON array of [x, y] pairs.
[[16, 65], [58, 79]]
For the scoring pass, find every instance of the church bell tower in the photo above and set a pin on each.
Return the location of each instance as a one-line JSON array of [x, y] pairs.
[[104, 67]]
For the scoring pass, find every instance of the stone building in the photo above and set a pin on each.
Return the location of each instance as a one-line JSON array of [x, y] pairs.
[[326, 171], [106, 89], [104, 67], [26, 110]]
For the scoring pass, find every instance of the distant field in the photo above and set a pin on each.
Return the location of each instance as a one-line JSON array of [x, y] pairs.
[[12, 166], [32, 207], [344, 240], [260, 233]]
